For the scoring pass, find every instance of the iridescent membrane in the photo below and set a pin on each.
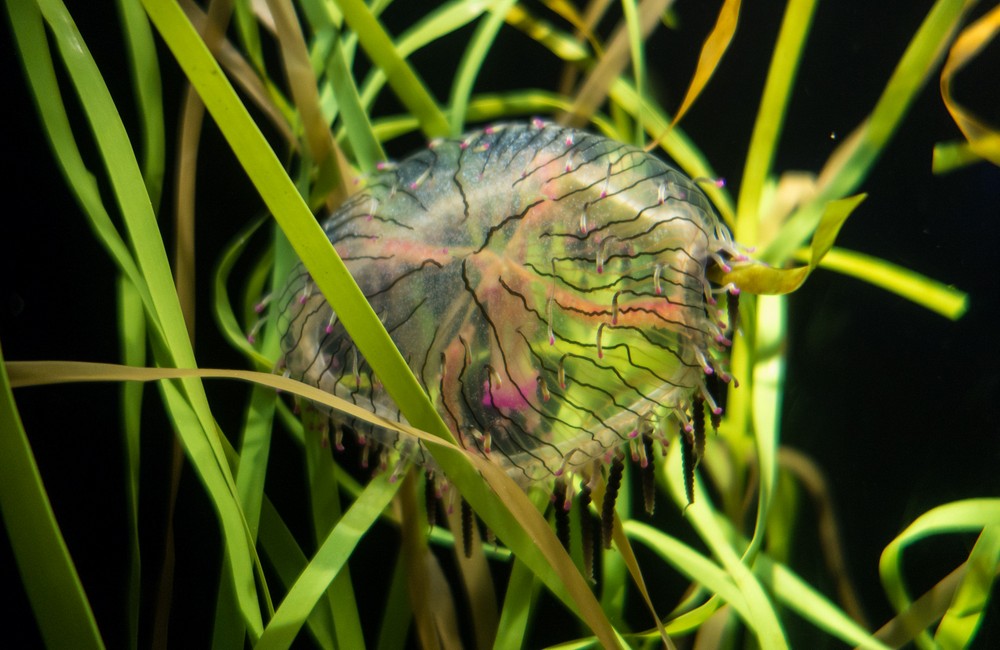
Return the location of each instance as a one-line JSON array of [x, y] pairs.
[[547, 286]]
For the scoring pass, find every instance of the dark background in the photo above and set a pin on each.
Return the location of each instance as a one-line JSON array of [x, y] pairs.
[[900, 407]]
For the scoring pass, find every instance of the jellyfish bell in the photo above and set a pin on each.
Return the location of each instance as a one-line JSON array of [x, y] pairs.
[[547, 286]]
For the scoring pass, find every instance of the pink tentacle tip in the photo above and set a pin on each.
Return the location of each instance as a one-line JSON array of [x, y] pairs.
[[634, 433], [339, 446], [708, 370], [328, 329], [251, 339], [489, 130], [259, 307], [717, 411]]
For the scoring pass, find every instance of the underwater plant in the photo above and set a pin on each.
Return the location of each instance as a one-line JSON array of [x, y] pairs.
[[262, 551]]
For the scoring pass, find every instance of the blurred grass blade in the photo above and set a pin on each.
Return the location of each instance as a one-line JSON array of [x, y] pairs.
[[132, 325], [766, 396], [367, 150], [518, 607], [714, 48], [58, 601], [764, 280], [690, 563], [850, 163], [800, 597], [264, 94], [971, 515], [472, 61], [634, 30], [926, 292], [410, 90], [949, 156], [762, 618], [771, 116], [601, 77], [396, 613], [434, 25], [983, 139], [962, 620], [322, 156]]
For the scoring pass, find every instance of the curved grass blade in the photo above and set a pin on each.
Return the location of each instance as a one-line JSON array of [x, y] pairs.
[[762, 619], [962, 620], [60, 605], [692, 564], [171, 344], [983, 139], [225, 317], [764, 280], [971, 515]]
